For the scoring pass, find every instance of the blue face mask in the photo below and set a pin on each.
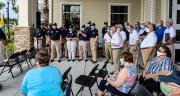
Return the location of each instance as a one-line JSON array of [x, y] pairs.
[[122, 61]]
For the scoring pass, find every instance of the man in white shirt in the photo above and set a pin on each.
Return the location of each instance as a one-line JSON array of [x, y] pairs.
[[169, 37], [108, 50], [116, 45], [123, 35], [148, 45], [133, 38]]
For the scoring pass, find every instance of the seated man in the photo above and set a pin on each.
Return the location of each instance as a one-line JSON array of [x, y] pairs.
[[44, 80], [123, 81]]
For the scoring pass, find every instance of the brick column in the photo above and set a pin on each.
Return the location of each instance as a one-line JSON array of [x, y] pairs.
[[23, 38]]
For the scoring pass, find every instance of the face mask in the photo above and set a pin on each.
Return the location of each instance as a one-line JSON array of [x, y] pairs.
[[122, 61], [167, 24], [147, 30], [142, 26], [88, 25], [54, 27], [92, 27], [70, 29], [125, 24], [129, 30], [82, 29], [108, 30]]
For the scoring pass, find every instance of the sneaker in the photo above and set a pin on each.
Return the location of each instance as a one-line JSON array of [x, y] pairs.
[[73, 60], [94, 62], [59, 61], [86, 60], [79, 59], [52, 61], [69, 60]]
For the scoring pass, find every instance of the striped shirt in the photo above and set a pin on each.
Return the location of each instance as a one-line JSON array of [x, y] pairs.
[[164, 64]]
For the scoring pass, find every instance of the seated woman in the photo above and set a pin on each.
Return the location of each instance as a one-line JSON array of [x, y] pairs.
[[44, 80], [123, 80], [162, 64]]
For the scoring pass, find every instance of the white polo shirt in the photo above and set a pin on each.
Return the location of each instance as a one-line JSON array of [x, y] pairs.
[[172, 33], [107, 38], [149, 41], [141, 31], [123, 35], [133, 38], [117, 40]]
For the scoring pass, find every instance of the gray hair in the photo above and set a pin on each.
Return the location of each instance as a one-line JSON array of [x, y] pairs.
[[42, 58]]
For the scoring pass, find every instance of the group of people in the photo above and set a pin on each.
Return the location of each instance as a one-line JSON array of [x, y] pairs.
[[68, 41]]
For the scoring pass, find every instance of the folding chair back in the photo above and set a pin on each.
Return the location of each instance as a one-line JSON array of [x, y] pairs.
[[141, 91], [104, 66], [65, 75], [24, 52], [14, 57], [68, 89], [93, 70]]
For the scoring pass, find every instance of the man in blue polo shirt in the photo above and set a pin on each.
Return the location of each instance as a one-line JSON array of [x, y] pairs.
[[160, 31]]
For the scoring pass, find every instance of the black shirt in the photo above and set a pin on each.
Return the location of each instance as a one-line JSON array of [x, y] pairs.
[[38, 34], [71, 34], [88, 31], [81, 37], [54, 34], [63, 32], [93, 33], [104, 31]]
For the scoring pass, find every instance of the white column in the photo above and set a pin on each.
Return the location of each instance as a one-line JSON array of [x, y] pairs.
[[142, 10], [50, 11], [164, 9], [153, 11]]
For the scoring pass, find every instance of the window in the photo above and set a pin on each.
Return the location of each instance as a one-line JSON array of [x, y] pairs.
[[170, 8], [177, 35], [178, 1], [119, 14], [71, 15], [177, 55], [178, 17]]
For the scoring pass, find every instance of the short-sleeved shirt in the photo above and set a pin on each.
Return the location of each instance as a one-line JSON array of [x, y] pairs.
[[123, 35], [84, 38], [104, 31], [149, 41], [160, 32], [138, 29], [71, 34], [133, 38], [38, 34], [55, 34], [48, 31], [44, 81], [117, 40], [88, 31], [107, 38], [169, 33], [93, 33], [142, 32], [63, 32], [165, 64]]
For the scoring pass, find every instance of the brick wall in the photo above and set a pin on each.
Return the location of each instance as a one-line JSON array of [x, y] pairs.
[[23, 38]]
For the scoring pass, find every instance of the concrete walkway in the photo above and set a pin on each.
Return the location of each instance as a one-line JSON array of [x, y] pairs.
[[11, 87]]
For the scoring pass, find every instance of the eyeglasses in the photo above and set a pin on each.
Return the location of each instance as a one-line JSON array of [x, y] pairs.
[[161, 51]]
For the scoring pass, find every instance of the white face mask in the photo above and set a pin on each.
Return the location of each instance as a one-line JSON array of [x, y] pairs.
[[92, 27], [122, 61], [82, 29], [147, 30], [167, 24], [54, 27]]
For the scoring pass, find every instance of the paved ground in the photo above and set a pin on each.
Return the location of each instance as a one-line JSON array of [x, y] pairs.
[[11, 87]]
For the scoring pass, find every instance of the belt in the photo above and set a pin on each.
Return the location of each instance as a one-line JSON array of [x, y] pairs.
[[132, 45], [144, 48], [116, 48], [108, 42]]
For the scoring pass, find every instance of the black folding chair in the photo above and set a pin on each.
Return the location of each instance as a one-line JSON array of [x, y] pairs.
[[23, 57], [101, 73], [31, 55], [87, 80], [68, 87], [10, 63], [64, 78], [141, 91]]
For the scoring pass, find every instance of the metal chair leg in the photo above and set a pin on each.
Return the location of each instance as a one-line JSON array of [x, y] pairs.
[[90, 91], [82, 87], [2, 70], [10, 70], [72, 92]]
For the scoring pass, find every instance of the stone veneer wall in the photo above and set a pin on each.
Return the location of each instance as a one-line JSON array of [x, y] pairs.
[[23, 38]]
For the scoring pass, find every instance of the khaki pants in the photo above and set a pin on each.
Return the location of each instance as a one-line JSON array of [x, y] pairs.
[[1, 51], [88, 49], [117, 54], [108, 51], [55, 47], [144, 53], [171, 47], [71, 46], [133, 50], [82, 49], [65, 51], [93, 45]]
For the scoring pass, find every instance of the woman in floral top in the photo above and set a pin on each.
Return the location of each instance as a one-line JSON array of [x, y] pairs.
[[123, 81]]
